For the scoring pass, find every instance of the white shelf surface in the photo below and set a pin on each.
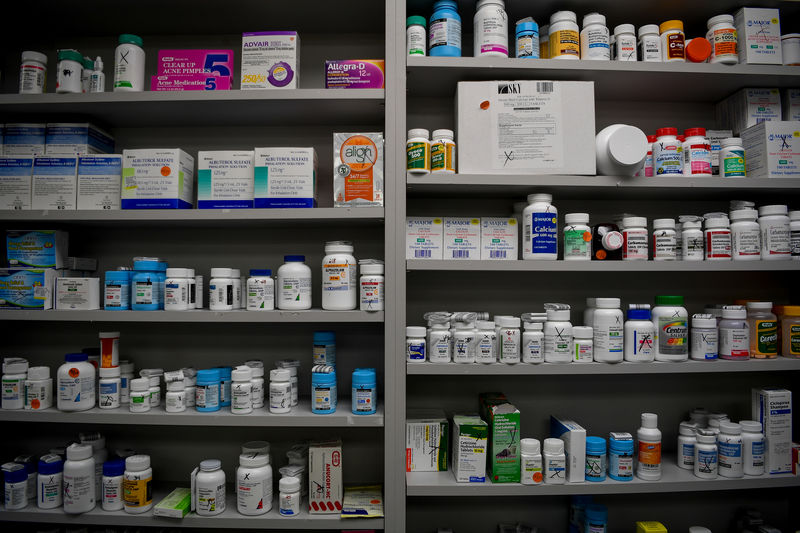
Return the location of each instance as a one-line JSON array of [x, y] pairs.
[[228, 519], [673, 479], [199, 315], [779, 364], [301, 416], [601, 266]]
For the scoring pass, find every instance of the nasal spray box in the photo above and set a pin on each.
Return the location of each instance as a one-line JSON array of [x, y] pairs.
[[27, 289], [270, 60], [426, 440], [358, 179], [158, 178], [574, 437], [37, 248], [759, 36], [772, 150], [773, 408], [15, 183], [24, 139], [503, 419], [470, 440], [424, 237], [285, 177], [54, 183], [225, 179], [99, 181], [325, 487]]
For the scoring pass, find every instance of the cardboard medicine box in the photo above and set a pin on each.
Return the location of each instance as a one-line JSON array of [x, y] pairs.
[[225, 179], [462, 238], [54, 183], [426, 441], [773, 408], [354, 74], [78, 293], [503, 457], [759, 36], [77, 138], [499, 238], [99, 182], [285, 177], [574, 437], [270, 60], [27, 289], [37, 248], [15, 183], [325, 486], [158, 178], [24, 139], [470, 441], [424, 237], [772, 150], [748, 107], [358, 178], [790, 104]]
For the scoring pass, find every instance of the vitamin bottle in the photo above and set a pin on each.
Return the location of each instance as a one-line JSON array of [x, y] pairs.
[[672, 41], [509, 339], [289, 498], [667, 153], [260, 290], [70, 67], [557, 334], [129, 64], [540, 228], [672, 329], [608, 331], [50, 482], [97, 79], [294, 283], [416, 36], [723, 38], [718, 237], [76, 383], [745, 235], [582, 344], [705, 338], [790, 331], [323, 351], [639, 337], [415, 344], [664, 240], [210, 488], [625, 41], [15, 480], [649, 437], [486, 340], [464, 341], [254, 484], [729, 443], [692, 244], [530, 462], [577, 237], [732, 158], [753, 448], [440, 343], [241, 390], [555, 462], [564, 36], [444, 30], [490, 29], [775, 232], [527, 38], [650, 44], [109, 388], [139, 395], [79, 479], [595, 459], [594, 38], [137, 491], [607, 242], [634, 238], [207, 394], [418, 152], [705, 460], [696, 153], [734, 334], [33, 73], [15, 372], [443, 152], [763, 330], [687, 440], [533, 338], [620, 456]]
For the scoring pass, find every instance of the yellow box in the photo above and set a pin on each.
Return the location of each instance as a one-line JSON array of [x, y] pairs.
[[650, 527]]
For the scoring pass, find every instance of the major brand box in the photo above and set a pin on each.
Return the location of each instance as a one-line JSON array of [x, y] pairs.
[[574, 437], [26, 289], [285, 177], [54, 183], [225, 179], [37, 248], [15, 182], [270, 60], [426, 440], [424, 237], [790, 104], [78, 293], [499, 238], [77, 138], [358, 170], [462, 238], [525, 127], [23, 139], [325, 488], [759, 36], [99, 181], [748, 107], [772, 150], [470, 439], [773, 408], [158, 178], [354, 74]]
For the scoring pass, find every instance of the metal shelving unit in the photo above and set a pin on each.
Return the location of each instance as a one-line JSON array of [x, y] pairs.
[[600, 266], [311, 316]]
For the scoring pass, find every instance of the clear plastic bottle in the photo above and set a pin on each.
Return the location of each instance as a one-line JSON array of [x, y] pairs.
[[763, 330], [734, 334], [608, 330], [649, 458], [594, 38]]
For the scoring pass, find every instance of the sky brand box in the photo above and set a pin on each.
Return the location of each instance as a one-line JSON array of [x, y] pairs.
[[270, 60], [499, 238], [285, 177], [325, 489], [196, 61], [37, 248], [358, 170], [772, 150], [54, 183], [77, 138], [24, 139], [462, 238], [15, 182], [790, 104], [225, 179], [354, 74], [759, 36], [424, 237], [525, 127], [99, 180], [190, 82], [773, 408], [749, 107], [426, 440], [470, 440], [78, 293], [574, 437], [158, 178], [26, 289]]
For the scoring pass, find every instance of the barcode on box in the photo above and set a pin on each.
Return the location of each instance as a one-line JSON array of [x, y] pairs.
[[497, 254], [544, 86], [460, 254], [422, 253]]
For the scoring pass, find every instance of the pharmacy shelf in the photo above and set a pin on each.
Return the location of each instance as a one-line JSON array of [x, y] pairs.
[[201, 217], [228, 519], [597, 187], [614, 80], [601, 266], [673, 479], [199, 316], [779, 364], [301, 416], [202, 108]]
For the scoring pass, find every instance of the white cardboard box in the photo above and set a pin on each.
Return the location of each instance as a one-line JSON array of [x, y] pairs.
[[225, 179], [99, 182], [270, 60], [15, 182], [325, 489], [574, 437], [54, 184], [462, 238], [773, 408], [157, 178], [424, 237], [525, 127], [748, 107], [285, 177], [427, 434], [499, 238], [791, 104], [759, 36], [77, 138], [78, 293], [23, 139], [470, 443], [772, 150]]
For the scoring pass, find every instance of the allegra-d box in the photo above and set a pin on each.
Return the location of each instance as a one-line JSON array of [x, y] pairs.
[[499, 238], [99, 181], [773, 408], [426, 440], [462, 238], [325, 486], [15, 182], [225, 179], [574, 437], [285, 177], [27, 289], [354, 74], [424, 237], [54, 183], [358, 170], [158, 178], [37, 248], [270, 60], [772, 150], [470, 440]]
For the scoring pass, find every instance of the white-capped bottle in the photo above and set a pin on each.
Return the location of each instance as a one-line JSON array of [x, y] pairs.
[[608, 331], [753, 447], [530, 462], [706, 456], [687, 440], [555, 462], [729, 442], [558, 334], [254, 484], [79, 479], [486, 340], [594, 38], [509, 339], [775, 232], [649, 458], [533, 338], [664, 240]]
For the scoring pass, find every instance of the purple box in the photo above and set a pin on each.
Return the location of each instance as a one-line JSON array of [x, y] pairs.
[[190, 82], [185, 62], [354, 74]]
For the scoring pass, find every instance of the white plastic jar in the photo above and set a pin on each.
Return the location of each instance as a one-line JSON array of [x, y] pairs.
[[621, 150], [667, 153], [540, 228], [718, 237], [137, 485], [533, 341], [418, 152], [582, 344], [672, 329], [415, 344], [577, 237], [79, 476], [555, 462], [705, 338], [176, 290], [129, 64], [486, 341], [745, 235], [139, 395], [558, 336], [594, 38], [509, 339], [692, 243], [753, 448], [109, 388], [490, 29], [339, 277], [257, 383], [625, 43], [70, 67], [254, 484], [38, 388], [443, 152], [241, 390], [175, 399], [729, 442], [635, 239], [649, 43], [775, 232], [125, 375], [672, 41], [687, 440], [50, 482], [220, 289], [664, 240], [210, 488], [609, 330], [723, 38], [260, 290], [371, 284], [416, 36], [639, 337], [706, 456], [294, 283], [565, 42], [464, 341], [530, 462], [76, 383], [696, 153], [439, 343], [289, 497], [15, 372], [732, 158], [280, 391], [33, 73]]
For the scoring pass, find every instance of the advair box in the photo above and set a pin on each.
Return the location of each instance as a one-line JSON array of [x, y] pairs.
[[525, 127]]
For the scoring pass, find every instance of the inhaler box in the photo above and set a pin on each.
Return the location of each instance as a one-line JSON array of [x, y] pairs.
[[26, 289], [574, 437], [80, 138], [325, 490], [424, 237], [715, 140], [525, 127], [499, 238], [355, 74], [24, 139], [15, 182], [772, 150], [54, 183], [759, 34], [159, 178], [426, 440], [791, 104], [462, 238], [270, 60], [285, 177], [470, 441], [78, 293], [225, 179], [37, 248], [99, 180], [773, 408], [749, 107]]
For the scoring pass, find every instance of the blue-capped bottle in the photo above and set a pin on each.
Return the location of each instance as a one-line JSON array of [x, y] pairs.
[[527, 38], [365, 391], [444, 30], [324, 394]]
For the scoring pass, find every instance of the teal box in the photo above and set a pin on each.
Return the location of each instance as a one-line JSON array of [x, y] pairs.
[[36, 248], [26, 289]]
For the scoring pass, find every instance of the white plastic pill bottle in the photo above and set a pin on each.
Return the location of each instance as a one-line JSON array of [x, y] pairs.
[[625, 41], [372, 292], [209, 487], [577, 237], [594, 38], [254, 484], [649, 44], [33, 73], [79, 479], [565, 42], [260, 290], [137, 485], [664, 240], [76, 383], [540, 228], [129, 64], [745, 235], [490, 27], [220, 289], [775, 232], [339, 277], [608, 331], [294, 283]]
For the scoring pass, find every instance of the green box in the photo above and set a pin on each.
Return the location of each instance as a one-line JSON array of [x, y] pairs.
[[504, 429], [175, 505]]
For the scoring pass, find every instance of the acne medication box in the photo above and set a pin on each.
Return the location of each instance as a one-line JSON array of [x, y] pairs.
[[354, 74], [499, 238], [574, 437], [158, 178], [427, 432], [54, 183], [27, 289], [358, 170], [23, 139], [424, 237], [15, 182], [190, 82], [99, 180], [325, 488], [748, 107], [285, 177], [773, 408], [196, 61], [759, 36], [772, 150], [270, 60], [462, 238], [78, 293], [470, 440], [77, 138], [225, 179], [37, 248]]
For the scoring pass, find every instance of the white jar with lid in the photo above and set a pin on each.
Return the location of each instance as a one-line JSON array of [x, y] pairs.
[[439, 343], [639, 336], [254, 484], [705, 338], [594, 38], [443, 152], [625, 43], [687, 440], [175, 398], [139, 395], [79, 474], [294, 283], [289, 498], [775, 232], [540, 228], [608, 327], [533, 340], [706, 456], [464, 341], [509, 339], [339, 277], [109, 388], [415, 344], [664, 240], [745, 235], [33, 73], [558, 336], [15, 372], [241, 390], [236, 276], [137, 489], [490, 29], [38, 388], [372, 292], [418, 152], [790, 49], [577, 237], [696, 153], [692, 242], [729, 442], [753, 448], [649, 44], [621, 150], [209, 487], [718, 237], [280, 391], [564, 36], [635, 239], [732, 158], [176, 290], [582, 344], [70, 67], [486, 340], [555, 462], [220, 289], [76, 383], [734, 334], [723, 38], [667, 153], [260, 290]]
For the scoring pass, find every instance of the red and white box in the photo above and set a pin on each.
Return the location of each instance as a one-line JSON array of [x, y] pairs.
[[325, 490]]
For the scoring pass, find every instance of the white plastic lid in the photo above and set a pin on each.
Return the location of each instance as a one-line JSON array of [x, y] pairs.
[[191, 272], [649, 420], [714, 422], [507, 321], [540, 197], [692, 224], [155, 381], [761, 306], [37, 373], [731, 428], [30, 55], [558, 315], [256, 367], [720, 19], [485, 324], [534, 326], [415, 331], [291, 369], [482, 3], [627, 145], [767, 210], [137, 463], [790, 36], [79, 452], [560, 16], [95, 440], [256, 446], [625, 28], [209, 465], [179, 385], [110, 372], [177, 272], [794, 215], [608, 303], [126, 367], [342, 247], [418, 132], [717, 415], [15, 365], [289, 484], [634, 222], [687, 428], [443, 134], [664, 223], [648, 29], [530, 446], [734, 311], [372, 268], [582, 332], [221, 273], [553, 446], [613, 240], [591, 301], [140, 384], [594, 18], [744, 214], [750, 426], [236, 273], [730, 141], [704, 321], [280, 374], [706, 436], [576, 218], [717, 222], [108, 335], [242, 373], [254, 459]]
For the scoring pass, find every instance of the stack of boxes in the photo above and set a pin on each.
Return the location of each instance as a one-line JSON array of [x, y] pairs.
[[462, 238]]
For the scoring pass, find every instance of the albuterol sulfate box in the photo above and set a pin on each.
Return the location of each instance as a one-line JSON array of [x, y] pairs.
[[157, 178], [37, 248], [499, 238], [772, 150], [354, 74], [78, 293], [76, 138], [99, 180], [285, 177], [470, 440], [54, 183], [424, 237], [462, 238], [358, 169], [24, 139], [225, 179], [759, 36], [574, 437], [27, 289], [773, 408], [270, 60], [325, 487], [426, 441], [15, 182]]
